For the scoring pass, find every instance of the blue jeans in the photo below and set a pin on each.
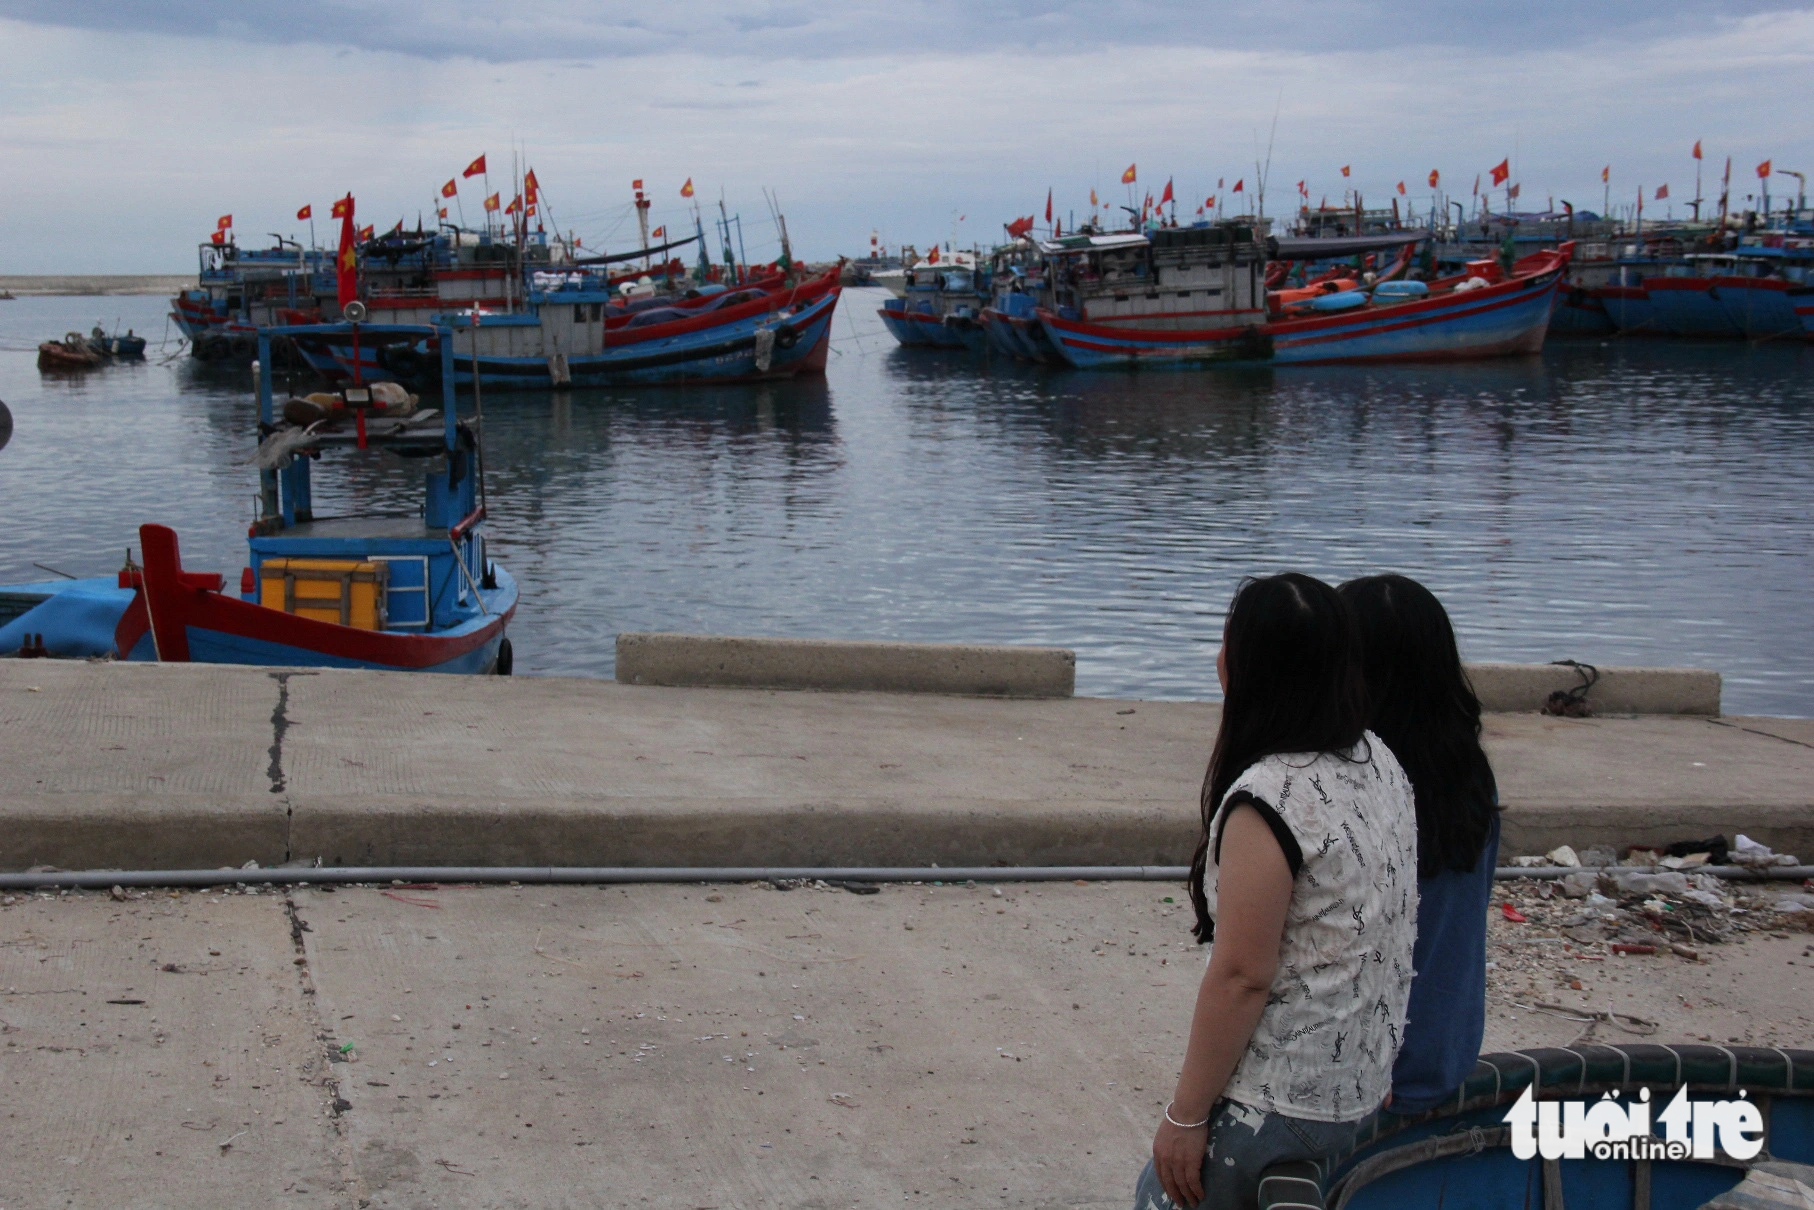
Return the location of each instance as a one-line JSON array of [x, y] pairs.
[[1243, 1143]]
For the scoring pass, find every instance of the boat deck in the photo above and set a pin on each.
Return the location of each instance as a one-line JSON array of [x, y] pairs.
[[366, 529]]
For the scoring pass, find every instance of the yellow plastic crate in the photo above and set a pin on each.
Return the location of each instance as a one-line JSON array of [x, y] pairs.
[[344, 591]]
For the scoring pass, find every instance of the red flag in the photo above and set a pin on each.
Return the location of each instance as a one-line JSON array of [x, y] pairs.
[[532, 188], [1092, 199], [1662, 193], [451, 188], [636, 184], [1697, 149], [686, 190], [1020, 227], [307, 212], [476, 168], [1167, 195], [1048, 205], [442, 212], [1303, 189], [365, 233], [932, 256], [1239, 185], [491, 203], [217, 237], [1435, 178], [346, 265], [1763, 170], [1501, 171], [659, 233], [225, 221], [1512, 192], [1128, 177], [1345, 168], [1209, 203], [516, 204], [1401, 187], [1606, 174], [1057, 230]]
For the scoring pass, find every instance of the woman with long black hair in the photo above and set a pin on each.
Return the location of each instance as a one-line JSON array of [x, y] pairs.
[[1304, 878], [1423, 708]]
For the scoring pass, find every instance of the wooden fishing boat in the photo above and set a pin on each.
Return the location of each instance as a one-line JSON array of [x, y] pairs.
[[1687, 303], [1461, 1154], [413, 593], [565, 339], [70, 353], [941, 306], [1219, 317]]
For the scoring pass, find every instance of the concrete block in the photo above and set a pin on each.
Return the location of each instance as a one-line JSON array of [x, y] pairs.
[[843, 666], [1523, 688]]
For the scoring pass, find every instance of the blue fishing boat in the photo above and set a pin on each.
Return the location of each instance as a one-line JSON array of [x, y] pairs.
[[574, 335], [1462, 1154], [403, 593], [1687, 303], [943, 300]]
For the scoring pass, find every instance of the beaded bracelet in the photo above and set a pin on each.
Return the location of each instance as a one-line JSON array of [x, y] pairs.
[[1182, 1125]]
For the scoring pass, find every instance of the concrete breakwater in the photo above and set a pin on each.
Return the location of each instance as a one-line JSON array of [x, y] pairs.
[[196, 766]]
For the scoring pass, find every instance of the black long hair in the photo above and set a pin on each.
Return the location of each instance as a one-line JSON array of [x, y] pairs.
[[1294, 685], [1423, 708]]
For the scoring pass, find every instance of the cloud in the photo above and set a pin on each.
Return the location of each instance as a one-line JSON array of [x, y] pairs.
[[486, 30], [130, 144]]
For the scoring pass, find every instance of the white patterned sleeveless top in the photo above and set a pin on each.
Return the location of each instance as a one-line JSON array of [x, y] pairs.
[[1326, 1040]]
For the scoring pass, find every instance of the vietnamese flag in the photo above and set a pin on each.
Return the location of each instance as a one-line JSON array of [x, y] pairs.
[[516, 204], [1763, 170], [1435, 178], [1209, 203], [442, 212], [659, 233], [217, 237], [532, 188], [1697, 149], [1606, 174], [346, 264], [1048, 205], [1401, 188], [365, 233], [1239, 185], [1345, 168], [225, 221], [1167, 195], [1662, 193], [451, 188], [476, 168], [307, 212], [1092, 199], [932, 256], [1502, 171], [491, 203], [1128, 178], [686, 190]]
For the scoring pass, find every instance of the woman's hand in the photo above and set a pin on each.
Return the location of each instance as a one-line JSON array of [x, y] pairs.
[[1178, 1161]]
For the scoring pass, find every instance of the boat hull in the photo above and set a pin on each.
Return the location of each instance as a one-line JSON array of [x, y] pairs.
[[1691, 307], [1767, 308], [1580, 313], [1629, 308], [919, 329]]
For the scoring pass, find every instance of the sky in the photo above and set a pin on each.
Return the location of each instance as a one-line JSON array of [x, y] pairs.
[[129, 127]]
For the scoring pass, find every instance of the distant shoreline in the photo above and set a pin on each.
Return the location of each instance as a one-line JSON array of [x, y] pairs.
[[48, 285]]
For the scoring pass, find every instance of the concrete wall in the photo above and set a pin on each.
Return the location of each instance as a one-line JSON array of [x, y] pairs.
[[1522, 688], [747, 663]]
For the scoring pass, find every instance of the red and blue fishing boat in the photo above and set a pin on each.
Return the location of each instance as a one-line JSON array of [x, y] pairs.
[[411, 593], [942, 304], [1687, 303], [1192, 296]]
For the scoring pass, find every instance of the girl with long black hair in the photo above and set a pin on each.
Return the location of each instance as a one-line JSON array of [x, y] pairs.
[[1304, 878], [1423, 708]]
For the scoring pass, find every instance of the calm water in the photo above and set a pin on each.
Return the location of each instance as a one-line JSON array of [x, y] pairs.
[[1630, 502]]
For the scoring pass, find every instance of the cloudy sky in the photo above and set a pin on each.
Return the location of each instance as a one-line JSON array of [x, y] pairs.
[[128, 127]]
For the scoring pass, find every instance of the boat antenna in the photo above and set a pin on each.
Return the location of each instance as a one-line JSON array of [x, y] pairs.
[[1262, 170]]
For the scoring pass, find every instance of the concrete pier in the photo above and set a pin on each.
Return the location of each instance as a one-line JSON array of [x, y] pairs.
[[147, 766]]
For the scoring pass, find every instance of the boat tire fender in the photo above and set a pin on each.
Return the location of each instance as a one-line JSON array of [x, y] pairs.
[[506, 659], [786, 337]]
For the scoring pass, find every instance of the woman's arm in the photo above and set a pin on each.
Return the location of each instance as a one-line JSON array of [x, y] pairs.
[[1252, 894]]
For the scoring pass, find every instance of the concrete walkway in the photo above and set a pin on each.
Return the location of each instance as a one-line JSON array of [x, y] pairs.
[[665, 1048], [148, 766]]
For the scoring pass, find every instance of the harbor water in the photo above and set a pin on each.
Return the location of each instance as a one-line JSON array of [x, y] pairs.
[[1620, 501]]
